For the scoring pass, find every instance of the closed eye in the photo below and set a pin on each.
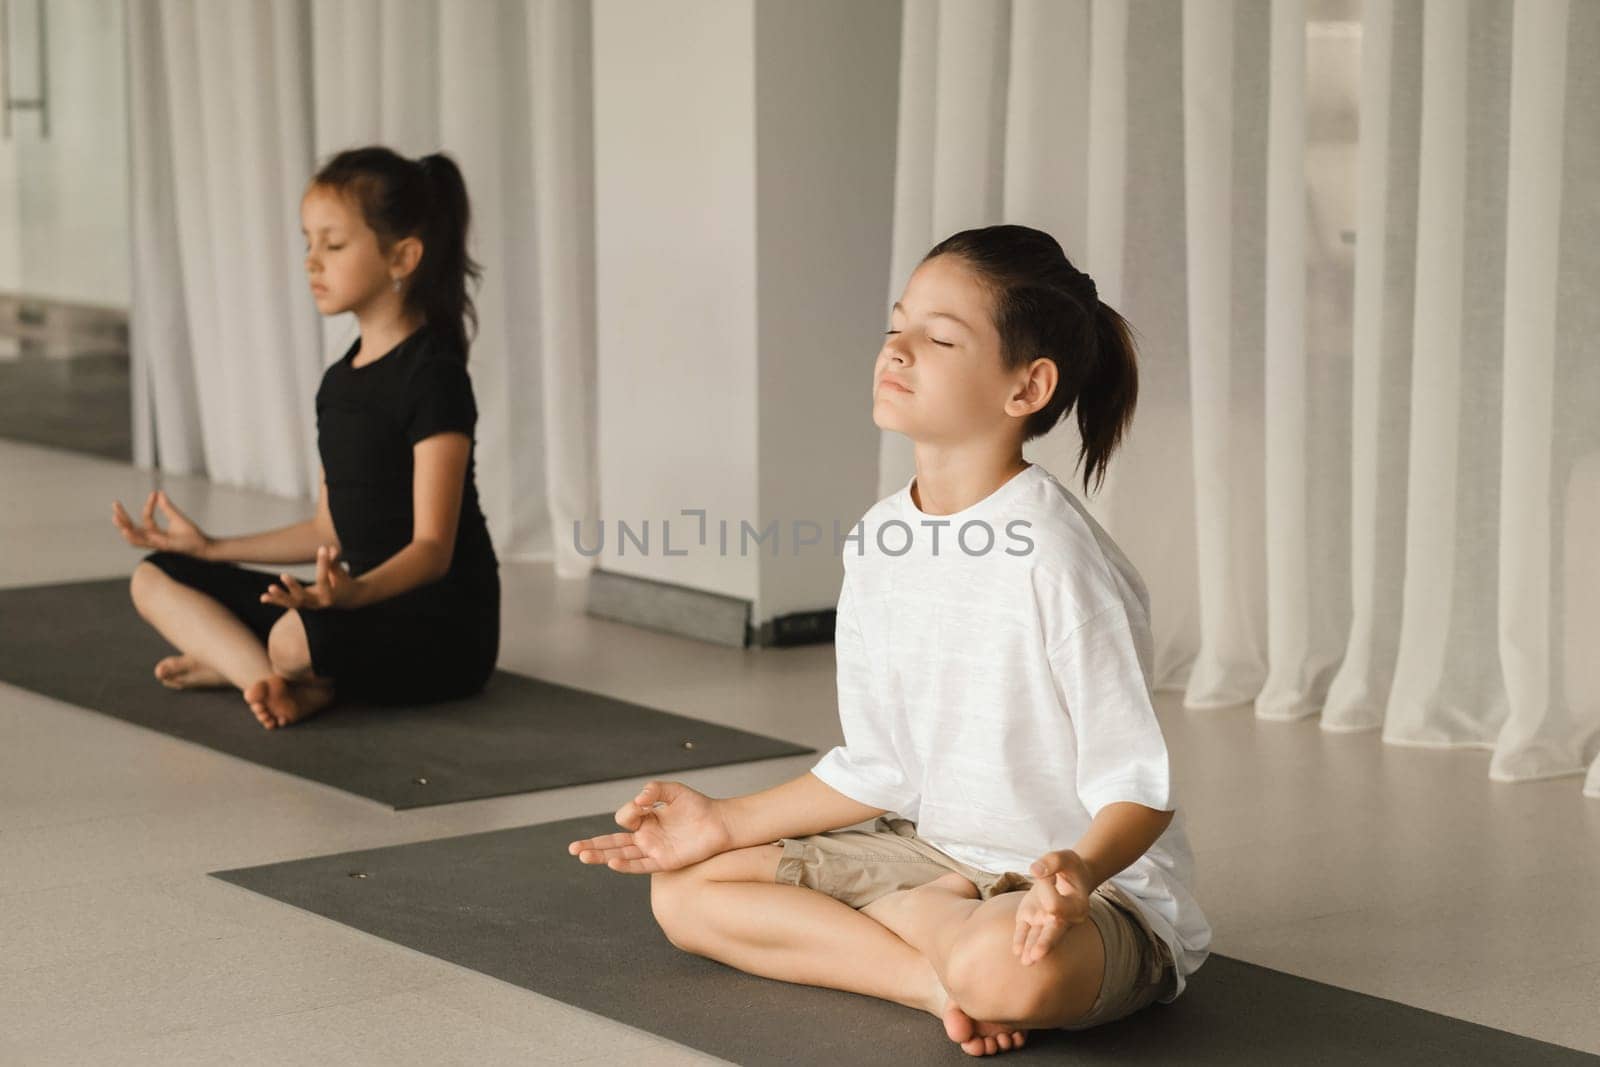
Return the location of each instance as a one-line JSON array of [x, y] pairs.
[[935, 340]]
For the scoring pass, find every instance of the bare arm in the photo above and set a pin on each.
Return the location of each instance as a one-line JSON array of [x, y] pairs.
[[669, 826], [296, 543], [800, 806], [439, 472], [1120, 834]]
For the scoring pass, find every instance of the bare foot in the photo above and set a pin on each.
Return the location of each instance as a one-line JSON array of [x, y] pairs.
[[275, 701], [980, 1039], [186, 672]]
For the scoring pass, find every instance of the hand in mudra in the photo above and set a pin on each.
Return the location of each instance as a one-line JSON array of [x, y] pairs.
[[180, 535], [668, 826], [1056, 902], [333, 588]]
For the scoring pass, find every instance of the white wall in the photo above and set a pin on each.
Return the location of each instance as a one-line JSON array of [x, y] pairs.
[[675, 277], [826, 154], [744, 196]]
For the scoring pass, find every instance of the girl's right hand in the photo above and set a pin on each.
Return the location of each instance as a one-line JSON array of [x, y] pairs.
[[669, 826], [181, 534]]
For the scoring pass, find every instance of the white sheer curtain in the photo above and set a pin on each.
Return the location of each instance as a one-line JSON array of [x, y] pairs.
[[234, 105], [1386, 515], [224, 340]]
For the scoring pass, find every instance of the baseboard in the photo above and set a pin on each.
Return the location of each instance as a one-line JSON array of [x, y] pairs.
[[676, 609]]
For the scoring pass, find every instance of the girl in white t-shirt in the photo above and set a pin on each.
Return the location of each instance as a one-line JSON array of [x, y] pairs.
[[1025, 868]]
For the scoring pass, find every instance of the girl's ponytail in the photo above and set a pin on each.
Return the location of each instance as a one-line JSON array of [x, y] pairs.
[[441, 289], [1108, 395]]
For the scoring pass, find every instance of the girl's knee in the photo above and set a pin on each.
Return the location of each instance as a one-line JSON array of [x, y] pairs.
[[287, 649], [673, 895], [671, 898], [677, 898], [979, 972], [985, 978], [146, 582]]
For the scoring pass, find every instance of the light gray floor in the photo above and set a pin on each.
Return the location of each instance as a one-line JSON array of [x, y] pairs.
[[1402, 873]]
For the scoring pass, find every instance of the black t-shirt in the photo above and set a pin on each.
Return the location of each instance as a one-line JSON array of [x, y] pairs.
[[368, 418]]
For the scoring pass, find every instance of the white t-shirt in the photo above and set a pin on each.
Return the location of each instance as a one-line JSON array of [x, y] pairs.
[[1000, 698]]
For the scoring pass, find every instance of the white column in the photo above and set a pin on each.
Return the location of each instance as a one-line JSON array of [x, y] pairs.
[[744, 203]]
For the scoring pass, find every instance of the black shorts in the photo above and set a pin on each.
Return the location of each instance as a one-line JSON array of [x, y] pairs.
[[436, 642]]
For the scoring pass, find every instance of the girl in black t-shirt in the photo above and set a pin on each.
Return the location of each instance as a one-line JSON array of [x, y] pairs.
[[405, 605]]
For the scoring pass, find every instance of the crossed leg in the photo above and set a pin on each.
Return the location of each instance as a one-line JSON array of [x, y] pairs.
[[935, 947], [730, 909], [292, 691], [970, 941], [217, 649]]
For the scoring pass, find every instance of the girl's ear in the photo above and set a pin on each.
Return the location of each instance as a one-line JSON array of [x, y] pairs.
[[404, 256], [1035, 390]]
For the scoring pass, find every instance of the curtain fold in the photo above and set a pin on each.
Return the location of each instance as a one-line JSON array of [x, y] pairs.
[[1361, 481], [1550, 473], [166, 410], [235, 104], [1537, 735], [222, 330], [1385, 283]]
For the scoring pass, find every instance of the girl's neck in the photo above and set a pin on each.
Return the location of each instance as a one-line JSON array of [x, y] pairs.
[[382, 329], [953, 479]]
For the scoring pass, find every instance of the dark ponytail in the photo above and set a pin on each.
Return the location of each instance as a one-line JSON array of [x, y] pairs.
[[1109, 393], [441, 288], [425, 199], [1044, 307]]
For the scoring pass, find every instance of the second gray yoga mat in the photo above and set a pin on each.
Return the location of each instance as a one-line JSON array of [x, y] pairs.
[[512, 904], [84, 644]]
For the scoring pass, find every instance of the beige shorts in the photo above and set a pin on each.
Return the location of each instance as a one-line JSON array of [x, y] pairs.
[[859, 866]]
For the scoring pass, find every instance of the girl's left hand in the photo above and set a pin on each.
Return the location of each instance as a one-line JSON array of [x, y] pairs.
[[334, 588], [1058, 901]]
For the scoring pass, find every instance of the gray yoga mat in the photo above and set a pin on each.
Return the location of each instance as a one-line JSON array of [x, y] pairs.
[[512, 904], [84, 644]]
